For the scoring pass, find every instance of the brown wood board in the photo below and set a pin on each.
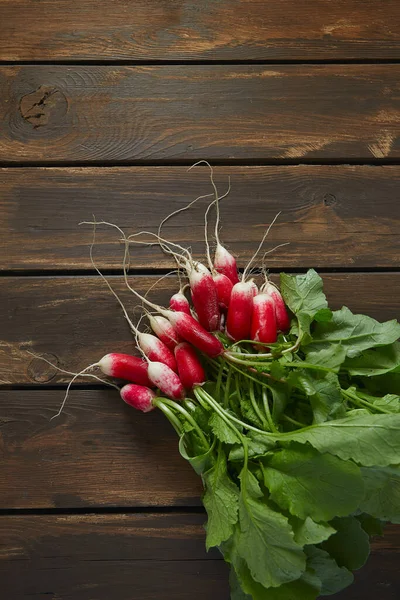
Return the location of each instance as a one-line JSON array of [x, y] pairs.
[[74, 321], [106, 114], [333, 216], [147, 30], [141, 556]]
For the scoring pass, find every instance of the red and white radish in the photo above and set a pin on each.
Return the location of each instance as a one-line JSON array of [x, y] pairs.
[[204, 296], [238, 323], [125, 366], [180, 303], [138, 396], [224, 290], [225, 263], [263, 322], [190, 369], [166, 380], [164, 330], [191, 331], [156, 350], [281, 313]]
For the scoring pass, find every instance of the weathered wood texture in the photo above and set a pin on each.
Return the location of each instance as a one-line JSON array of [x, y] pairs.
[[99, 452], [186, 29], [332, 215], [150, 557], [92, 113], [74, 321]]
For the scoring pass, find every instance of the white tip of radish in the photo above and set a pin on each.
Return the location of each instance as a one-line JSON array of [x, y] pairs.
[[106, 364]]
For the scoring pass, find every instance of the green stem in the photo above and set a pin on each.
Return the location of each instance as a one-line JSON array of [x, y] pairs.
[[249, 376], [268, 412], [189, 418], [175, 422], [360, 402], [256, 407], [293, 421], [305, 365], [227, 388]]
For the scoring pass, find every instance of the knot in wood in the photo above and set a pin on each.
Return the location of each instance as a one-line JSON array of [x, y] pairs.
[[46, 104], [40, 371], [329, 199]]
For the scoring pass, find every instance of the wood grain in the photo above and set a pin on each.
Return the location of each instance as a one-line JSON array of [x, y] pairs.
[[99, 453], [88, 557], [186, 29], [74, 321], [172, 113], [333, 216]]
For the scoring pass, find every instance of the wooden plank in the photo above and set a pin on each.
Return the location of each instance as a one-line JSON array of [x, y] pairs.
[[172, 113], [333, 216], [117, 556], [74, 321], [98, 453], [186, 30]]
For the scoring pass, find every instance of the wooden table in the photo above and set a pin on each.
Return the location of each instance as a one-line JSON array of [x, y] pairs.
[[103, 106]]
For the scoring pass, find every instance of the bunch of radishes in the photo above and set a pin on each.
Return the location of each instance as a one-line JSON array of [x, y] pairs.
[[225, 304]]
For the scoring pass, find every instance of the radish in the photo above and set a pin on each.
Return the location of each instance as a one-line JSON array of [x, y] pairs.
[[225, 263], [156, 350], [238, 323], [224, 290], [190, 369], [180, 303], [204, 296], [125, 366], [138, 396], [191, 331], [281, 314], [263, 323], [164, 331], [166, 380]]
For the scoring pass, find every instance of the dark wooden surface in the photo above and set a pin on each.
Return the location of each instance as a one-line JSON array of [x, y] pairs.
[[180, 112], [42, 207], [186, 29], [102, 108]]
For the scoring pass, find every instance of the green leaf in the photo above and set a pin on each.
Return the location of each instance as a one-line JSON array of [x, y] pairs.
[[309, 532], [333, 577], [310, 484], [323, 315], [389, 402], [370, 440], [222, 431], [266, 540], [307, 587], [382, 493], [332, 356], [376, 361], [371, 525], [257, 445], [279, 400], [355, 332], [221, 501], [236, 589], [304, 296], [326, 401], [349, 546], [201, 462]]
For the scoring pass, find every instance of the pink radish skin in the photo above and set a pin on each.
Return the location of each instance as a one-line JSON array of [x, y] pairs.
[[224, 290], [138, 396], [263, 323], [191, 331], [281, 313], [164, 331], [238, 323], [225, 263], [180, 303], [190, 369], [125, 366], [204, 297], [156, 350], [166, 380]]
